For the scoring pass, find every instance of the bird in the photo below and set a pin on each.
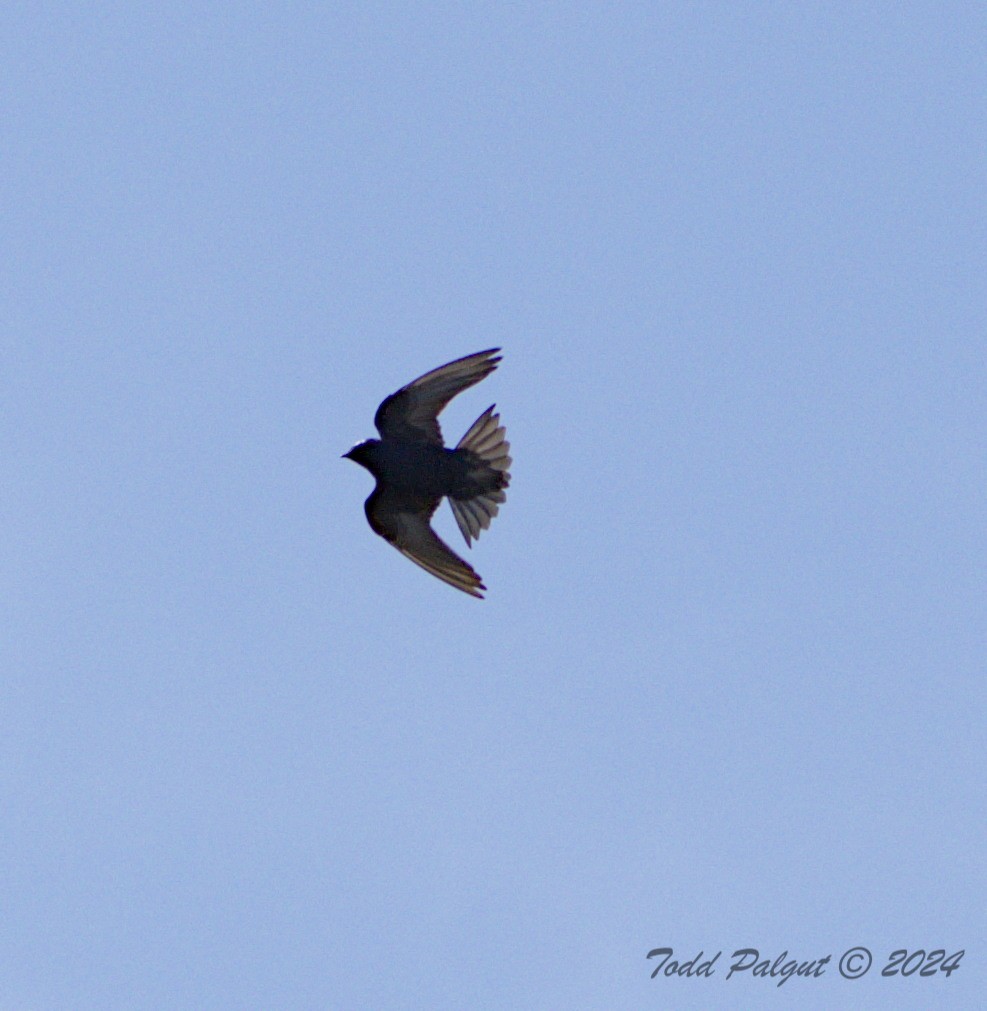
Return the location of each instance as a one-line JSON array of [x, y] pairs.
[[415, 470]]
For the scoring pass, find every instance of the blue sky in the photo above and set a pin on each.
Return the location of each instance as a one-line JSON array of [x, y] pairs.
[[727, 688]]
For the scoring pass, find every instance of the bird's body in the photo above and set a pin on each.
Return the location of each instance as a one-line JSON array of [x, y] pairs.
[[415, 470], [417, 466]]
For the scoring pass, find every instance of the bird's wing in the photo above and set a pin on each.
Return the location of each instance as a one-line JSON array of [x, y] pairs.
[[403, 521], [411, 414]]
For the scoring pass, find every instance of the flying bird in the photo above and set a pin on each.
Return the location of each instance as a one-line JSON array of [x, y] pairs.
[[415, 470]]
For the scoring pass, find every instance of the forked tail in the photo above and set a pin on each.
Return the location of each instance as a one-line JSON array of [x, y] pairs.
[[487, 439]]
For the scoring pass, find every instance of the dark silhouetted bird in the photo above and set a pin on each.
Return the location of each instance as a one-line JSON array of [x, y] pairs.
[[415, 470]]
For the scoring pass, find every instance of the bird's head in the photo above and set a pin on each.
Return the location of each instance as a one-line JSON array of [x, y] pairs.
[[362, 453]]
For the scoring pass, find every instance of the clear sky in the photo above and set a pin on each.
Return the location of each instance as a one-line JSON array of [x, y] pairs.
[[727, 688]]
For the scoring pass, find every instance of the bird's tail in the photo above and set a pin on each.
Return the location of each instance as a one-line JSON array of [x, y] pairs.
[[486, 439]]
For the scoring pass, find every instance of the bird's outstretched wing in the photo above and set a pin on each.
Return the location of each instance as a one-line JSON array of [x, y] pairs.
[[403, 520], [411, 414]]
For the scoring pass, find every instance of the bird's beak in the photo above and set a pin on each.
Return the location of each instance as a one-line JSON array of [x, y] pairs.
[[348, 455]]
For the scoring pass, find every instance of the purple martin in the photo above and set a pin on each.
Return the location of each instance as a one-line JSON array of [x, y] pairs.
[[415, 470]]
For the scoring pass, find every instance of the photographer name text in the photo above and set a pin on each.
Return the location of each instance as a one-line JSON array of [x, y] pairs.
[[852, 964]]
